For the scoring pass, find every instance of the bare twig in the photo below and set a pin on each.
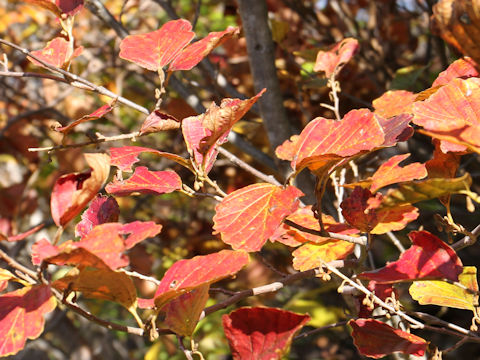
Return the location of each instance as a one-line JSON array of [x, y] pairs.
[[467, 240]]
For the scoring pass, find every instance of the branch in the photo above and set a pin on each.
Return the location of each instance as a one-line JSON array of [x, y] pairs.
[[17, 266], [467, 240], [361, 240]]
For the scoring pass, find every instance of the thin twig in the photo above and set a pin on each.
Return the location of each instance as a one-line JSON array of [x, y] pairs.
[[320, 329], [467, 240], [16, 265]]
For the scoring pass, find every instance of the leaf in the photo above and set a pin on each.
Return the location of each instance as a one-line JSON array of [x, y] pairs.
[[144, 181], [323, 142], [72, 192], [156, 49], [288, 149], [247, 217], [429, 258], [202, 133], [102, 284], [358, 212], [21, 316], [195, 52], [186, 275], [261, 333], [396, 129], [124, 157], [6, 276], [311, 256], [451, 113], [441, 293], [103, 209], [139, 230], [442, 165], [70, 7], [159, 121], [183, 313], [413, 192], [97, 114], [394, 102], [21, 236], [390, 173], [47, 5], [57, 52], [395, 218], [376, 339], [460, 68], [304, 216], [333, 60]]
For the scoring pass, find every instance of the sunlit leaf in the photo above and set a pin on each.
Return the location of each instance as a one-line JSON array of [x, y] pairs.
[[21, 236], [72, 192], [159, 121], [57, 52], [183, 313], [460, 68], [97, 114], [394, 218], [247, 217], [376, 339], [124, 157], [261, 333], [428, 258], [139, 231], [394, 102], [21, 316], [396, 129], [442, 293], [333, 60], [47, 5], [188, 274], [144, 181], [103, 209], [310, 256]]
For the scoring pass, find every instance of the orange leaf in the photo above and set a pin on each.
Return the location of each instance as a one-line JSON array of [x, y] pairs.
[[145, 181], [357, 210], [186, 275], [461, 68], [159, 121], [247, 217], [376, 339], [56, 53], [97, 114], [333, 60], [311, 256], [390, 173], [72, 192], [21, 316], [427, 259], [394, 102], [394, 219]]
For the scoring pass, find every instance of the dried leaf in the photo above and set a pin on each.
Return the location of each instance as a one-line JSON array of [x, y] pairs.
[[159, 121]]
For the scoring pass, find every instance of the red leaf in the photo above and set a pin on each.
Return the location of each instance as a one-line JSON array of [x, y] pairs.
[[395, 218], [394, 102], [325, 141], [124, 157], [261, 333], [103, 209], [72, 192], [204, 132], [333, 60], [186, 275], [451, 114], [288, 149], [21, 316], [97, 114], [56, 53], [396, 129], [195, 52], [145, 181], [159, 121], [429, 258], [247, 217], [390, 173], [357, 211], [461, 68], [70, 7], [156, 49], [376, 339], [21, 236], [139, 230]]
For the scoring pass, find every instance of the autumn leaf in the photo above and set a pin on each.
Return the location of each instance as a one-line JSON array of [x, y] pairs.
[[188, 274], [287, 150], [47, 5], [6, 276], [311, 256], [396, 129], [333, 60], [102, 284], [144, 181], [57, 52], [21, 236], [70, 7], [97, 114], [428, 258], [103, 209], [247, 217], [159, 121], [156, 49], [124, 157], [261, 333], [21, 316], [442, 293], [357, 210], [72, 192], [463, 68], [451, 114], [394, 102], [367, 333], [139, 231], [183, 313], [395, 218]]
